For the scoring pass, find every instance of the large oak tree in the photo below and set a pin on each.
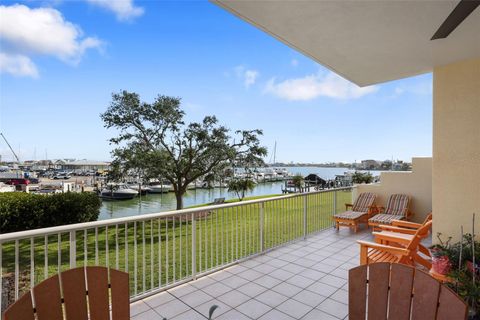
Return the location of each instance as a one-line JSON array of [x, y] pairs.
[[153, 138]]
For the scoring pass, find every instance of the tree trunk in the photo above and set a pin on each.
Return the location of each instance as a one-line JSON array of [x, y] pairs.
[[179, 197]]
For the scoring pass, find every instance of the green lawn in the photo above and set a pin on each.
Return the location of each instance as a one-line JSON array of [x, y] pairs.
[[159, 251]]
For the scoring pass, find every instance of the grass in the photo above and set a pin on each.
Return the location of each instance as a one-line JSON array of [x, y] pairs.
[[158, 252]]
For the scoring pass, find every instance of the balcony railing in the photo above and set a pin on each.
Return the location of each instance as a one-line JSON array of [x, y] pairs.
[[163, 250]]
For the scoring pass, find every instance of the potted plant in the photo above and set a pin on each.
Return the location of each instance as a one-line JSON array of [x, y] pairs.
[[441, 253], [465, 273]]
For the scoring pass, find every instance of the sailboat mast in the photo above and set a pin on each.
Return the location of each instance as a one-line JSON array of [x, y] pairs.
[[275, 153]]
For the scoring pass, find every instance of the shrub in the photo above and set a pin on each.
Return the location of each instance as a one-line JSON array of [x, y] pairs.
[[362, 177], [24, 211]]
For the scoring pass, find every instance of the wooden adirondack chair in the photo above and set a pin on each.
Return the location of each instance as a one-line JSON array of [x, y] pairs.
[[401, 233], [400, 292], [73, 305], [371, 252], [406, 227], [361, 210], [397, 208]]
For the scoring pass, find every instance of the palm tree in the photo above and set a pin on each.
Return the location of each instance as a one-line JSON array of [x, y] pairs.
[[298, 182], [240, 187]]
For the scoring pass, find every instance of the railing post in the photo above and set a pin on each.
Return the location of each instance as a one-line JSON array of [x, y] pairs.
[[262, 222], [334, 203], [194, 247], [73, 249], [1, 277], [304, 216]]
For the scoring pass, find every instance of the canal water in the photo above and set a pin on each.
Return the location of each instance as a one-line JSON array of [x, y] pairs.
[[153, 203]]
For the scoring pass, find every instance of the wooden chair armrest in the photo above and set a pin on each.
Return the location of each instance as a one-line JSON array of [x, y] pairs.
[[395, 238], [390, 249], [348, 205], [380, 209], [396, 229], [373, 209], [406, 224]]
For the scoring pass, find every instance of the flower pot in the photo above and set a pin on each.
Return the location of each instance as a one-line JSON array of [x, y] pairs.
[[441, 264], [470, 267]]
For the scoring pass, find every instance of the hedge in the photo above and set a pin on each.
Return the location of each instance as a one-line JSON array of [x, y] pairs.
[[23, 211]]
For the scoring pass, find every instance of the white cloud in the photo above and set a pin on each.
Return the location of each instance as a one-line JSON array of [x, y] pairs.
[[125, 10], [42, 31], [316, 85], [249, 76], [18, 65]]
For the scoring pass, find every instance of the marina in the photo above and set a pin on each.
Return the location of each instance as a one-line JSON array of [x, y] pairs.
[[132, 198], [152, 203]]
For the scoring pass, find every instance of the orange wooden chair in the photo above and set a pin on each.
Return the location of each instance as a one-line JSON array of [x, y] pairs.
[[396, 291], [397, 208], [361, 210], [64, 296], [371, 252], [401, 233], [406, 227]]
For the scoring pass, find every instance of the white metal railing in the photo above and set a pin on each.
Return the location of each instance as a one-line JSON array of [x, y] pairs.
[[162, 250]]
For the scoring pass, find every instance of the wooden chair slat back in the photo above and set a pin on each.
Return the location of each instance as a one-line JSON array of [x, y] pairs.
[[22, 309], [401, 283], [120, 293], [402, 291], [428, 218], [97, 281], [450, 306], [425, 297], [378, 281], [74, 293], [357, 292], [421, 233], [72, 284], [48, 301]]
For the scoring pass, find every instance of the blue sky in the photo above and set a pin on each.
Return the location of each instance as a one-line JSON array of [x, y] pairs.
[[61, 60]]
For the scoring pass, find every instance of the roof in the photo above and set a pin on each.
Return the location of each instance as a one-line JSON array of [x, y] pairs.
[[366, 42], [86, 163], [314, 177]]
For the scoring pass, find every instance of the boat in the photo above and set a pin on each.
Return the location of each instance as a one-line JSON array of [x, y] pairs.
[[118, 191], [143, 190], [6, 188], [160, 188], [282, 172]]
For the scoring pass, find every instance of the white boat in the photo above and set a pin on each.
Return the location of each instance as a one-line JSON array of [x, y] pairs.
[[219, 184], [260, 176], [160, 188], [140, 188], [118, 191], [6, 188], [281, 172]]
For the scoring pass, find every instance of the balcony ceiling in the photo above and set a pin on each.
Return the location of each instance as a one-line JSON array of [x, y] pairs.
[[366, 42]]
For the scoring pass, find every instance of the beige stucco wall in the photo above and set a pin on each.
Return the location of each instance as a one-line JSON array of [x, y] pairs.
[[456, 147], [416, 183]]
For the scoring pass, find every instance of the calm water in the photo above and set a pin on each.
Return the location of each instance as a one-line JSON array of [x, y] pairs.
[[164, 202]]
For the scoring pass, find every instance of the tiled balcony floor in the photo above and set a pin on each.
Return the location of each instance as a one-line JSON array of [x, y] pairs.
[[303, 280]]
